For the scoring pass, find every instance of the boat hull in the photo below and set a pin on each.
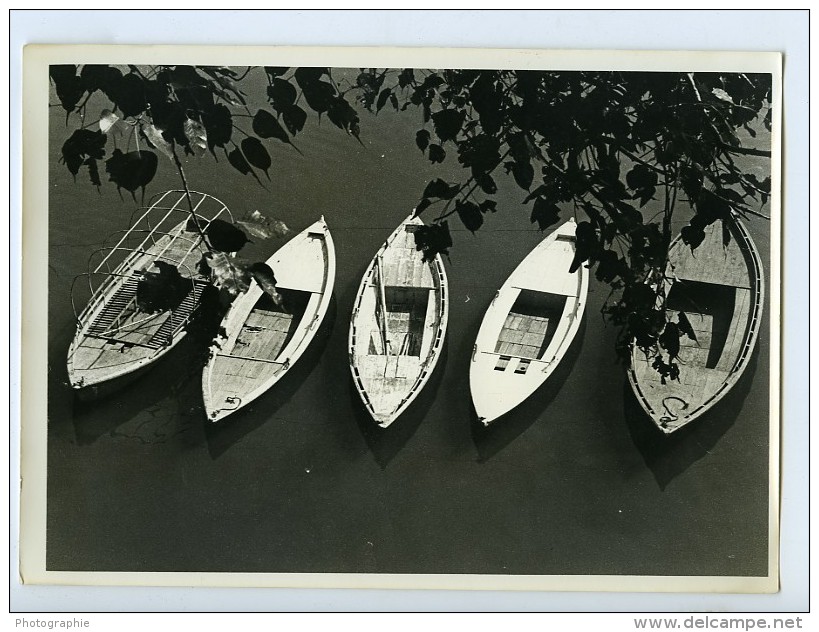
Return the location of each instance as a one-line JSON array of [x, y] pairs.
[[720, 289], [260, 339], [398, 325], [528, 327], [116, 337]]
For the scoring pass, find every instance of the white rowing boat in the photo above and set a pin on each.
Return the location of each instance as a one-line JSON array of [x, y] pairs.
[[116, 335], [260, 339], [398, 324], [720, 289], [529, 326]]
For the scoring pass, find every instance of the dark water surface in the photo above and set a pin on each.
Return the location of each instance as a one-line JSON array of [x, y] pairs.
[[575, 481]]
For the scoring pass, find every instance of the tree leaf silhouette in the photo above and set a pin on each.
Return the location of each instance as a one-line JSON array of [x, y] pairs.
[[281, 94], [670, 339], [128, 95], [132, 170], [264, 276], [586, 244], [224, 236], [436, 153], [685, 327], [256, 154], [439, 189], [82, 145], [545, 214], [238, 161], [294, 119], [100, 77], [162, 290], [470, 214], [68, 85], [433, 239], [448, 123], [218, 123], [422, 139], [265, 125], [382, 99]]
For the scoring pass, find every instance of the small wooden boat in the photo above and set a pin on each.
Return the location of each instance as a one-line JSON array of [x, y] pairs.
[[528, 327], [116, 336], [720, 289], [261, 338], [398, 324]]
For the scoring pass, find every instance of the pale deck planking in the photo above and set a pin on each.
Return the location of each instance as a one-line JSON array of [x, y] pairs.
[[711, 262], [523, 335]]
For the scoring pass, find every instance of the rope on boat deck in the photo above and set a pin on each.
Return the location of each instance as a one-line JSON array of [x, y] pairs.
[[671, 416]]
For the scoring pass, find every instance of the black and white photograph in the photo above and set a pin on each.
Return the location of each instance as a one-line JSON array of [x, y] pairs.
[[367, 323]]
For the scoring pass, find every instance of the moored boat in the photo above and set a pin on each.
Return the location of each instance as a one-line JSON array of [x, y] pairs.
[[398, 324], [528, 327], [262, 335], [122, 329], [719, 287]]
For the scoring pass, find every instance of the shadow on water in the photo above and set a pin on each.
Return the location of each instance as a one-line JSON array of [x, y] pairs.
[[225, 433], [385, 443], [489, 440], [668, 456], [175, 376]]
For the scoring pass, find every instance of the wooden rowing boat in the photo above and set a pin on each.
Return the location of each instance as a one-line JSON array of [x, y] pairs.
[[261, 339], [398, 324], [720, 289], [116, 335], [528, 327]]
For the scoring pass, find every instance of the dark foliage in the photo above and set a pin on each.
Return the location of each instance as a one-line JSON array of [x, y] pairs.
[[595, 144], [601, 146], [162, 290]]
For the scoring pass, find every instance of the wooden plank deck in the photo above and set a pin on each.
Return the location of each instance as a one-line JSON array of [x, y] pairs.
[[711, 262], [523, 336], [404, 266]]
